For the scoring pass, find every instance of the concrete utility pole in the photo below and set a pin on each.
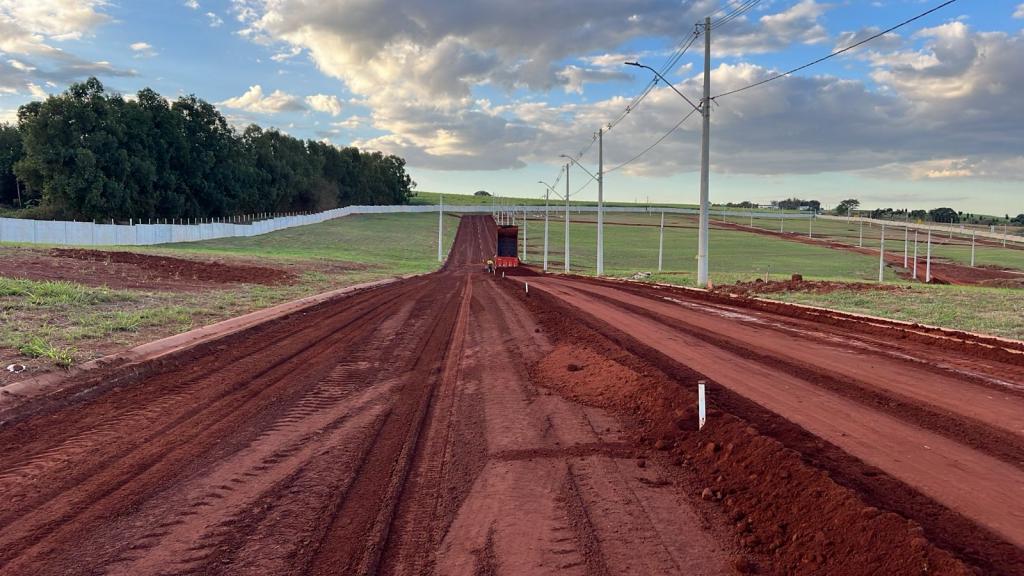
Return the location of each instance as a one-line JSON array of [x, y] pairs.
[[881, 257], [705, 161], [928, 261], [567, 218], [547, 196], [661, 241], [973, 238], [600, 202], [524, 233], [915, 254], [906, 240], [440, 227], [860, 244]]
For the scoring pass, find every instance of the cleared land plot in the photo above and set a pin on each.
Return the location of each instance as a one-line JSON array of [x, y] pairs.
[[956, 249], [58, 310]]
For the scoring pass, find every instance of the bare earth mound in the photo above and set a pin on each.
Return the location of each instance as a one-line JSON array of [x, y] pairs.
[[132, 270]]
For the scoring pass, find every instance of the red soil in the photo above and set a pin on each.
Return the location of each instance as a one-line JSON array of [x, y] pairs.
[[451, 424], [131, 270], [796, 285]]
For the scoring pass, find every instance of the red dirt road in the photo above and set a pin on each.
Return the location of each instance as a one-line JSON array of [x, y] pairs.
[[451, 424]]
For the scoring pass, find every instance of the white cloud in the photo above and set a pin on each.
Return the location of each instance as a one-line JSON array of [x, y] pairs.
[[253, 100], [36, 91], [1019, 13], [143, 50], [8, 116], [326, 103], [30, 34], [193, 4], [947, 109], [215, 21]]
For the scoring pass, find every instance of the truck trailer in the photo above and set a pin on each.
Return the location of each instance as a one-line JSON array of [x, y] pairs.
[[508, 247]]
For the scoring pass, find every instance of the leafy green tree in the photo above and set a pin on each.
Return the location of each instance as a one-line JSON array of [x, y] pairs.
[[947, 215], [846, 207], [10, 152]]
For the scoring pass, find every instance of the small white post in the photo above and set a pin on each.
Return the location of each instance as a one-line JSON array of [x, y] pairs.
[[928, 261], [973, 236], [701, 405], [881, 257], [1004, 235], [810, 227], [782, 223], [661, 241], [527, 284], [860, 244], [915, 254]]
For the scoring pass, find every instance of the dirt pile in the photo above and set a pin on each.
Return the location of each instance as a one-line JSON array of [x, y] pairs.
[[797, 284], [167, 268], [789, 516]]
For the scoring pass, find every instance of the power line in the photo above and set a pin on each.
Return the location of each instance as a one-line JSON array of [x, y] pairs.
[[736, 13], [656, 142], [838, 52]]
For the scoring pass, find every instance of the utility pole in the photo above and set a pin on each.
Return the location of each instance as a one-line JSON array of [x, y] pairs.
[[440, 227], [705, 161], [881, 257], [547, 196], [973, 238], [661, 241], [928, 261], [524, 233], [915, 254], [567, 218], [600, 202]]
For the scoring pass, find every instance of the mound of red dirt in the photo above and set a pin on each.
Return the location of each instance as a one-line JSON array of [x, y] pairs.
[[789, 516], [170, 268], [798, 285]]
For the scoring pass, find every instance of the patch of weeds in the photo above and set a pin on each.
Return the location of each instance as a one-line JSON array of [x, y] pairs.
[[314, 277], [37, 347], [59, 292], [102, 324]]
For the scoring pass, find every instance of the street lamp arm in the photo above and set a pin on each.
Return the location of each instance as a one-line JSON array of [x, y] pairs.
[[573, 160], [663, 79]]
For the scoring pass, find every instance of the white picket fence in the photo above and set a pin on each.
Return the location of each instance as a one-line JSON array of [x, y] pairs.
[[63, 233]]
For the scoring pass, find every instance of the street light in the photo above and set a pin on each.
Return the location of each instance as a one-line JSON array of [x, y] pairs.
[[600, 209], [705, 151], [547, 195]]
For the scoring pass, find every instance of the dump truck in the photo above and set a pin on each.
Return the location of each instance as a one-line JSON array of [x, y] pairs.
[[508, 251]]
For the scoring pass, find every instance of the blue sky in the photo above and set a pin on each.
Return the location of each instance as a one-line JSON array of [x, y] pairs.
[[488, 94]]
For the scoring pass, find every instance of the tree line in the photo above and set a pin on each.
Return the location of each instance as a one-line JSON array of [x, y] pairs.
[[944, 215], [91, 154]]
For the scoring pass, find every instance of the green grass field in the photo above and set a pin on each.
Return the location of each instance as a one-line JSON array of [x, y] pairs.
[[733, 255], [64, 323], [997, 311], [944, 247]]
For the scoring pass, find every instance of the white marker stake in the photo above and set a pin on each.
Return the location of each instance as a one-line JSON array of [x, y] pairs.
[[928, 261], [527, 284], [701, 405]]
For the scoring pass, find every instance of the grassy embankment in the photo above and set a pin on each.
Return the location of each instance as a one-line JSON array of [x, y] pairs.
[[742, 256], [62, 323]]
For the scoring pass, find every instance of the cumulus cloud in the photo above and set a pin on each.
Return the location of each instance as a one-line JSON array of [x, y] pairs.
[[214, 20], [29, 36], [253, 100], [142, 50], [1019, 13], [193, 4], [937, 104], [326, 103]]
